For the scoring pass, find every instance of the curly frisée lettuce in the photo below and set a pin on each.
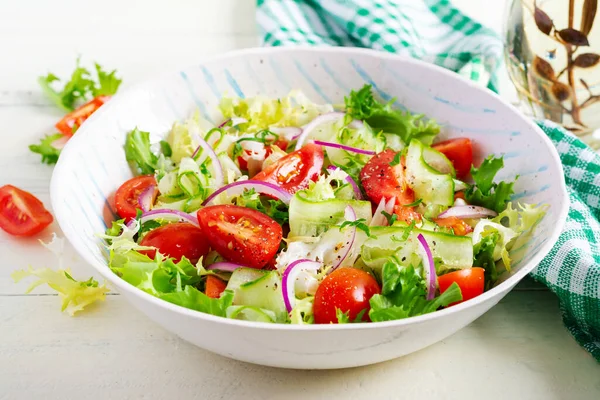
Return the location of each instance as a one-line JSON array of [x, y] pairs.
[[262, 112], [75, 295]]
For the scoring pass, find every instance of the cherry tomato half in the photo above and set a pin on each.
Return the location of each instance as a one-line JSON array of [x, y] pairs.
[[242, 235], [177, 240], [460, 152], [214, 286], [73, 120], [126, 198], [347, 289], [21, 213], [296, 170], [470, 281], [458, 226], [381, 180]]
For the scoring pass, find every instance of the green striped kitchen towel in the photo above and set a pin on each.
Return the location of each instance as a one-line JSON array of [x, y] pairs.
[[436, 32]]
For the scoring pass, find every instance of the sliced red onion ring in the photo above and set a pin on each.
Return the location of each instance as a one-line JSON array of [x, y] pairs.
[[224, 266], [237, 188], [234, 121], [218, 168], [357, 192], [428, 265], [344, 147], [378, 218], [349, 215], [169, 215], [468, 212], [147, 197], [288, 280], [288, 132], [315, 123]]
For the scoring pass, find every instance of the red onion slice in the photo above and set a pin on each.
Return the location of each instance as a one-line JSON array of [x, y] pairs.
[[428, 265], [224, 266], [349, 215], [468, 212], [357, 192], [288, 132], [288, 280], [218, 168], [344, 147], [169, 215], [237, 188], [315, 123], [234, 121], [378, 218], [147, 197]]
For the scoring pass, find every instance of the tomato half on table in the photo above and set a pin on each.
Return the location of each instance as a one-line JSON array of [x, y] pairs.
[[460, 153], [296, 170], [177, 240], [382, 180], [214, 286], [241, 234], [346, 289], [73, 120], [470, 281], [21, 213], [126, 197]]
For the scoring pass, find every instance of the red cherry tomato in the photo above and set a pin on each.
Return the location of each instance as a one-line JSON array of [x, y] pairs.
[[296, 170], [214, 286], [460, 227], [126, 198], [21, 213], [73, 120], [177, 240], [381, 180], [242, 235], [347, 289], [470, 281], [460, 152]]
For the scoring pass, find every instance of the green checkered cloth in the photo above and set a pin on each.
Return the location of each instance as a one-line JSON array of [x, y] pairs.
[[435, 31]]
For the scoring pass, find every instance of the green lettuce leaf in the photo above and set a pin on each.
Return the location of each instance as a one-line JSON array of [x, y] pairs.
[[107, 84], [80, 88], [275, 209], [404, 294], [137, 151], [48, 152], [192, 298], [362, 105], [75, 295], [483, 256], [486, 192], [302, 313]]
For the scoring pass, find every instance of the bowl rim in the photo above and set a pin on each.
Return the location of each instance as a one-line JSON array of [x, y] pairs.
[[123, 286]]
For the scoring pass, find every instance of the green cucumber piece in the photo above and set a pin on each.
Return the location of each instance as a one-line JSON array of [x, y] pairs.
[[433, 187], [257, 288], [450, 251], [311, 218]]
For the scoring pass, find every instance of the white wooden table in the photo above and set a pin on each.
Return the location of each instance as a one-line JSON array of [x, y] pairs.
[[519, 349]]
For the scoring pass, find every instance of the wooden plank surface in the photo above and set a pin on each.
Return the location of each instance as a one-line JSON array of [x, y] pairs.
[[519, 349]]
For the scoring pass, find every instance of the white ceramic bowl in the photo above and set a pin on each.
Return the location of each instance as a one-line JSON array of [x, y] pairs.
[[93, 165]]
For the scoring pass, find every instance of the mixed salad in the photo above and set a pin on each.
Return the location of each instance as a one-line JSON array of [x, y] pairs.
[[295, 212]]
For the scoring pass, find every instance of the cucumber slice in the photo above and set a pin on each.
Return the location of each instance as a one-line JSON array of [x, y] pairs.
[[311, 218], [257, 288], [451, 252], [248, 313], [438, 161], [430, 185]]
